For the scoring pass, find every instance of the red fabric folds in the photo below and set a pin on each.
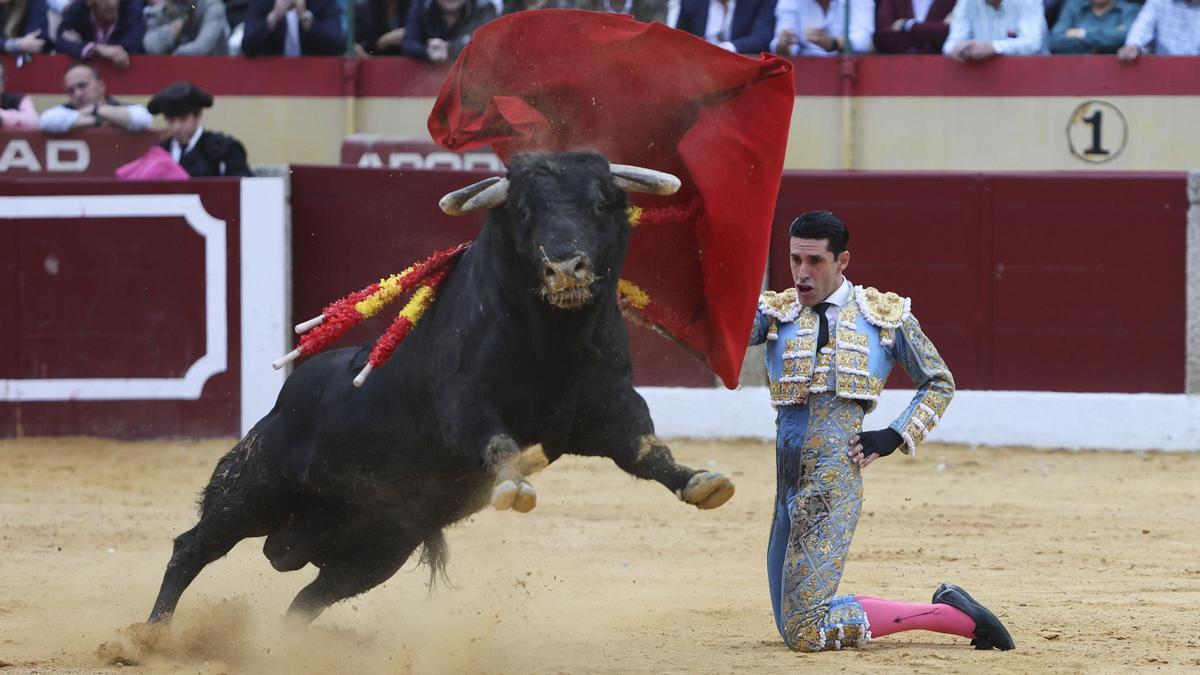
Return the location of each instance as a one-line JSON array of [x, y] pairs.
[[648, 95]]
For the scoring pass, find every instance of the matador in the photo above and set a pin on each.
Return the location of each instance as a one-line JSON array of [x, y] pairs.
[[830, 348]]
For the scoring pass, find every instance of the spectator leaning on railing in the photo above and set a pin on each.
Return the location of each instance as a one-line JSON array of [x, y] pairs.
[[743, 26], [16, 110], [379, 26], [186, 28], [109, 29], [437, 30], [91, 107], [1167, 27], [23, 27], [1092, 27], [981, 29], [294, 28], [642, 10], [912, 26], [817, 27]]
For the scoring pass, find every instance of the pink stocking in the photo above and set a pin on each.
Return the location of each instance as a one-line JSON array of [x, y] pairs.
[[889, 616]]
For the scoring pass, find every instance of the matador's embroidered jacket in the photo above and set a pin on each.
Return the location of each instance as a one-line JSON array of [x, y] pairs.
[[875, 330]]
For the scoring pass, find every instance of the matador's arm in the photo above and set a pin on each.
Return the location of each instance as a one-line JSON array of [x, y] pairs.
[[915, 352]]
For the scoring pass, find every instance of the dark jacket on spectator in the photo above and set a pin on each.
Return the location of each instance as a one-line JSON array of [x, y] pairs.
[[128, 32], [751, 30], [215, 154], [372, 20], [1105, 34], [425, 22], [924, 37], [324, 36], [34, 19], [642, 10]]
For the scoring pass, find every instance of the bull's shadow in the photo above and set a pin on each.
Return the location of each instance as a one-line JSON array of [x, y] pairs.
[[525, 345]]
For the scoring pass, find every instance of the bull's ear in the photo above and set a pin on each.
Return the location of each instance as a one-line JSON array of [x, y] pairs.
[[637, 179], [486, 194]]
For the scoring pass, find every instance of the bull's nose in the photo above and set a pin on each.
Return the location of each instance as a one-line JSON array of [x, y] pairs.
[[577, 268]]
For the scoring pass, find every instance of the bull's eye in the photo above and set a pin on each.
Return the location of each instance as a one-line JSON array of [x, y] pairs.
[[524, 214], [601, 207]]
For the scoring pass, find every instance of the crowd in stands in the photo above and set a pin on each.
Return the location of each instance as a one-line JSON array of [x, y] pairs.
[[437, 30]]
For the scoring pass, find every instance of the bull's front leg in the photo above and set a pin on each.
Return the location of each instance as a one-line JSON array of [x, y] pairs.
[[502, 455], [621, 428]]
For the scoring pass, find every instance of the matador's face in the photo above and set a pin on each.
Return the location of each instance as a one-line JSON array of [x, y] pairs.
[[816, 271]]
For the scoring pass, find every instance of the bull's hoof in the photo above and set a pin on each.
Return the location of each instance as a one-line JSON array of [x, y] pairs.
[[707, 490], [509, 494]]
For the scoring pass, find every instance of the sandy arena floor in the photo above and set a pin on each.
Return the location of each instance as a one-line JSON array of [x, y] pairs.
[[1093, 561]]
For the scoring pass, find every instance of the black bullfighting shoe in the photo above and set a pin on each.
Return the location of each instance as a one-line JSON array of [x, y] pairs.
[[990, 633]]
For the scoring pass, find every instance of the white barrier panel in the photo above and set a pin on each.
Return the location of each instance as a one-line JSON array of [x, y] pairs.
[[997, 418]]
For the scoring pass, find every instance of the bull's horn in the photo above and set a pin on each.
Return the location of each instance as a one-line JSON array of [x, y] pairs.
[[636, 179], [485, 194]]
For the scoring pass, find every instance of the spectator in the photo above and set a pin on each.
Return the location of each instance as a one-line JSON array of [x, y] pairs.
[[109, 29], [818, 27], [1171, 27], [514, 6], [912, 26], [982, 29], [642, 10], [379, 26], [91, 107], [16, 110], [1092, 27], [744, 26], [23, 28], [186, 28], [294, 28], [200, 152], [437, 30]]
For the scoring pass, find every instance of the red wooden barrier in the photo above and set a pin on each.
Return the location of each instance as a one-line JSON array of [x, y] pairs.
[[91, 153], [109, 329], [1025, 281]]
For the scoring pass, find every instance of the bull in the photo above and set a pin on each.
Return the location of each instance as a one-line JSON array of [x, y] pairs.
[[524, 346]]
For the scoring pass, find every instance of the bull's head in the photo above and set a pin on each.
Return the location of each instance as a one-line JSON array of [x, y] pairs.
[[564, 216]]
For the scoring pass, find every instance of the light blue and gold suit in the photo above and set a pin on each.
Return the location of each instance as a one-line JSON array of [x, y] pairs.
[[821, 399]]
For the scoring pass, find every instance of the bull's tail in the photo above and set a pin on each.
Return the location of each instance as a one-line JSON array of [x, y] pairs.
[[435, 554]]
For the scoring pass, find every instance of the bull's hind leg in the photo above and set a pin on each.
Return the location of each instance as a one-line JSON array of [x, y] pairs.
[[238, 503], [620, 427], [355, 562], [194, 549]]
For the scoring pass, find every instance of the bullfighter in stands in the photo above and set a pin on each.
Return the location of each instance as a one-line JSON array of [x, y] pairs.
[[200, 152], [830, 347]]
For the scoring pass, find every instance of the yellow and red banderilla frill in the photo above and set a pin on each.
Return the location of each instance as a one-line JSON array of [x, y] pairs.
[[340, 316]]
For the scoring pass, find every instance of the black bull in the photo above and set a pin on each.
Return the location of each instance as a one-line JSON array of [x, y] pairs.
[[525, 345]]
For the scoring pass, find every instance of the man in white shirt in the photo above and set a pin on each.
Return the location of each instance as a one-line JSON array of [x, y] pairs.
[[1168, 27], [981, 29], [818, 27], [90, 107]]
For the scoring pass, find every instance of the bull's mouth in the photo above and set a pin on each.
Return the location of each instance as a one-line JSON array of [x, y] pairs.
[[568, 298]]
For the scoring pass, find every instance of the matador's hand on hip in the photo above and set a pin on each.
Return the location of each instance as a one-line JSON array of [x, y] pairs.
[[869, 446]]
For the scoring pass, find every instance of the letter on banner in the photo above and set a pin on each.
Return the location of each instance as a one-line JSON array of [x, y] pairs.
[[55, 150], [19, 155], [406, 160]]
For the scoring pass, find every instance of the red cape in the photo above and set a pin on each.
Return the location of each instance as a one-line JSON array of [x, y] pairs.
[[644, 94]]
